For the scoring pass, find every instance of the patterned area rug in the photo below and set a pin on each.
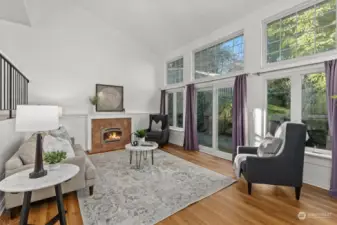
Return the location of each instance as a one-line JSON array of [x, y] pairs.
[[126, 196]]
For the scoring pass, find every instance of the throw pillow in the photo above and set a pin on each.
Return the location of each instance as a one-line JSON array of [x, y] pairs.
[[269, 147], [61, 132], [156, 126], [53, 144], [27, 150]]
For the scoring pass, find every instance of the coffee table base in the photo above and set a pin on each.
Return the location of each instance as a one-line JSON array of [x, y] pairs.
[[139, 155]]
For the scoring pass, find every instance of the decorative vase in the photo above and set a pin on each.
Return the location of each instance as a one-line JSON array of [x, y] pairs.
[[93, 109], [141, 140], [54, 166]]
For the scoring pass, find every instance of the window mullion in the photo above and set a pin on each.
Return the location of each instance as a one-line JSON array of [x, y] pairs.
[[296, 98]]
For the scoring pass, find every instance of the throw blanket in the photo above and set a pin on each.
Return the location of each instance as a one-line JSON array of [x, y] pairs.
[[237, 162]]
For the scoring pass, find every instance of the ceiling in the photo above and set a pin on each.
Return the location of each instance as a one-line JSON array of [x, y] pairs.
[[160, 25], [14, 11], [165, 25]]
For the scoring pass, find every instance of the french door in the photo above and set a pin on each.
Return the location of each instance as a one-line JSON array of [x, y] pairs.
[[214, 119]]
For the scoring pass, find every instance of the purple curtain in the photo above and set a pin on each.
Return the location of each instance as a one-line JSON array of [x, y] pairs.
[[191, 137], [331, 89], [239, 112], [162, 102]]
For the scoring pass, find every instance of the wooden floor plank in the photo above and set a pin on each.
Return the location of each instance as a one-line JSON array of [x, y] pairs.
[[267, 204]]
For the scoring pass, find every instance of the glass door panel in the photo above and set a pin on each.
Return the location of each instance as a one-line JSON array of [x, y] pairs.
[[205, 117], [225, 109]]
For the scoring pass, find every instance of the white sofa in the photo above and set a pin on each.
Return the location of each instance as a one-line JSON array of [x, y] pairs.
[[84, 179]]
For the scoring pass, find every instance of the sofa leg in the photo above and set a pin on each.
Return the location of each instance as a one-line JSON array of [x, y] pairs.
[[91, 190], [298, 192], [249, 188]]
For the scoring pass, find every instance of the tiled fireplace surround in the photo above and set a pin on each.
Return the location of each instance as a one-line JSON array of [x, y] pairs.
[[99, 126]]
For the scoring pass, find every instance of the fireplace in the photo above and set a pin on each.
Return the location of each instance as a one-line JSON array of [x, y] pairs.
[[111, 135], [108, 134]]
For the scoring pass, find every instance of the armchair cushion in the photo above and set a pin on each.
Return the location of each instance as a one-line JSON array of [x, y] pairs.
[[269, 147], [156, 126]]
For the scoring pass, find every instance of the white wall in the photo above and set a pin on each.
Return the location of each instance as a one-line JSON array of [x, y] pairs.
[[66, 54], [9, 143], [316, 171]]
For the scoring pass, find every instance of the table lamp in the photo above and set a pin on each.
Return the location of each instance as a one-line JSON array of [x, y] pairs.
[[37, 118]]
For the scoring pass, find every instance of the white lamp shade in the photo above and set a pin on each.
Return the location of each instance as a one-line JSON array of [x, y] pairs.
[[35, 118]]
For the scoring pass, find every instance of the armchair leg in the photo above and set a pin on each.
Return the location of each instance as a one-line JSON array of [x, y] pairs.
[[91, 190], [298, 192], [249, 188]]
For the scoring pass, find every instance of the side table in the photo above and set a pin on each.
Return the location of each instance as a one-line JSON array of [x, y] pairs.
[[20, 182]]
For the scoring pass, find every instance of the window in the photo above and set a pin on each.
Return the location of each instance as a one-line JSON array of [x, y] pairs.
[[225, 126], [314, 110], [220, 59], [170, 108], [300, 97], [278, 91], [204, 117], [303, 33], [176, 108], [175, 71], [180, 109]]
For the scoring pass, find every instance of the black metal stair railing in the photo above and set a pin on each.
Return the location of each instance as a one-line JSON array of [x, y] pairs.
[[13, 87]]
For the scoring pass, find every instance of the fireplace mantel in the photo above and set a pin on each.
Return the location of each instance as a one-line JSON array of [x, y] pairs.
[[99, 116]]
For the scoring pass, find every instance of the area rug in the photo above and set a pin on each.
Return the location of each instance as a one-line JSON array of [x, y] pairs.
[[124, 195]]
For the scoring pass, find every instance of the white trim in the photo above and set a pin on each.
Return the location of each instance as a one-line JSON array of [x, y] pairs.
[[178, 129], [328, 55]]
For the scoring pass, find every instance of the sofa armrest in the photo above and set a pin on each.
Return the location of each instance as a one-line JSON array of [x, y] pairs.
[[246, 150]]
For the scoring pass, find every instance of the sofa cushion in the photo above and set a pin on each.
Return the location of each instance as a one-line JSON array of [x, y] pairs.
[[61, 132], [53, 144], [27, 150], [13, 163]]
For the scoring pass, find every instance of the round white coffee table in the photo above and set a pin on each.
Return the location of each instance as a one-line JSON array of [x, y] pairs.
[[141, 150], [20, 182]]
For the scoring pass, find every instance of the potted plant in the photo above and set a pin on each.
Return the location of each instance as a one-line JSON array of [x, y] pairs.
[[54, 158], [94, 101], [140, 134]]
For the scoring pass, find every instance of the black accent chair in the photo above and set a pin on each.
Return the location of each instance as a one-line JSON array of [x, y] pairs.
[[285, 169], [160, 137]]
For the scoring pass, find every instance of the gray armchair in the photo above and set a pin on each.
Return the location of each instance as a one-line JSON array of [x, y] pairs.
[[162, 136], [285, 168]]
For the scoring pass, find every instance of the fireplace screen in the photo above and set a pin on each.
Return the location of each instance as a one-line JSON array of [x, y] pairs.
[[111, 135]]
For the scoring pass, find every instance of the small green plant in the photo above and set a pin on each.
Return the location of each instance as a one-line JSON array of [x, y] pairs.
[[94, 100], [54, 157], [140, 133]]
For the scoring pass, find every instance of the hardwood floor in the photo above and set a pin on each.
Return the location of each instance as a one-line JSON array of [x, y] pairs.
[[267, 204]]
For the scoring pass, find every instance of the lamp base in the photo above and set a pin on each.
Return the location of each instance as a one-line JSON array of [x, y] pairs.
[[38, 169], [34, 175]]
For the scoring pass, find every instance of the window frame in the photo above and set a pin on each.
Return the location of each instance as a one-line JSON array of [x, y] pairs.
[[166, 70], [211, 44], [174, 92], [296, 78], [284, 14]]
